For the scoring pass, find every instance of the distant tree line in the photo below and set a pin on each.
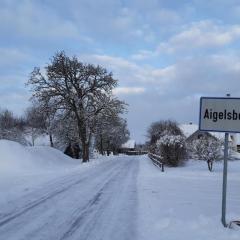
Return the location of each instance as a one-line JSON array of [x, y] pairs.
[[73, 103], [12, 127]]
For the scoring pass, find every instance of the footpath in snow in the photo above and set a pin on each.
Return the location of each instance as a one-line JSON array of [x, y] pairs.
[[47, 195]]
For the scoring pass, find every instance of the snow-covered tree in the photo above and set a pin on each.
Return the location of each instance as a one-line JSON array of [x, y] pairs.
[[166, 140], [171, 148], [84, 90], [157, 128], [205, 148], [65, 130], [111, 134]]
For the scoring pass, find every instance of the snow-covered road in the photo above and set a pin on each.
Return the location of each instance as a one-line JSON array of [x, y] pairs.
[[119, 198], [100, 203]]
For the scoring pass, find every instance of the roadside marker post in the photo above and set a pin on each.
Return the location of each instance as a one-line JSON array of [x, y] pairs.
[[221, 115]]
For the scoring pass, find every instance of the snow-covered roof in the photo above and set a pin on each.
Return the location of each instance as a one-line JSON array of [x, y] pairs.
[[221, 136], [129, 144], [188, 129]]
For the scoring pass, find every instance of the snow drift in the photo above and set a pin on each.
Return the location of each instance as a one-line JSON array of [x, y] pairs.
[[17, 158]]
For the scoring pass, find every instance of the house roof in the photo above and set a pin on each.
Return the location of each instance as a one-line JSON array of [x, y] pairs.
[[129, 144], [190, 128]]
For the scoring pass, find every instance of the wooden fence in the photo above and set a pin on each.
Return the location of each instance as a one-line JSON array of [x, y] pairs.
[[157, 160]]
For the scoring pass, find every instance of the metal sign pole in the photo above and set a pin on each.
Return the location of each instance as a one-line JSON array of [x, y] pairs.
[[221, 115], [224, 186]]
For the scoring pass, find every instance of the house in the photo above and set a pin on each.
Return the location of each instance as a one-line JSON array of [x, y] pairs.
[[192, 132], [199, 134], [236, 141], [129, 146]]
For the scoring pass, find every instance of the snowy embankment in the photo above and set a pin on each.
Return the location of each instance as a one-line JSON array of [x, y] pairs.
[[25, 168], [16, 158], [185, 202]]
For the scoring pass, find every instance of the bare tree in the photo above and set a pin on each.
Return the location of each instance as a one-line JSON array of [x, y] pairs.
[[49, 112], [35, 121], [208, 149], [83, 89]]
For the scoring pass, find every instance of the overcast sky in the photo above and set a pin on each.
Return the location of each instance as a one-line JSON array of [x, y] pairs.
[[165, 54]]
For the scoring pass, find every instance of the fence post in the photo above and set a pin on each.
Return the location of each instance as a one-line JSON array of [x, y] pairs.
[[162, 167]]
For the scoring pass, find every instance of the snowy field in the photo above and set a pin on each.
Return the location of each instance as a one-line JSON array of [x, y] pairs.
[[47, 195], [185, 203]]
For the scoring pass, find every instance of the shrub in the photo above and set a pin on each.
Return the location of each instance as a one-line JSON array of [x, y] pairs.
[[172, 149], [207, 149]]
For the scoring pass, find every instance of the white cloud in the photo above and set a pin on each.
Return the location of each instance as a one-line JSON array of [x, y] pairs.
[[37, 21], [129, 73], [212, 74], [128, 90], [203, 34], [125, 71], [196, 36], [142, 55]]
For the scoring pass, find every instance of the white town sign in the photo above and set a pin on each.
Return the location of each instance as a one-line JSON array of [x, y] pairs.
[[219, 114]]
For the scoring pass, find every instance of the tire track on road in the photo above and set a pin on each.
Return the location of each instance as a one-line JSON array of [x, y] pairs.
[[85, 222], [47, 195], [85, 210]]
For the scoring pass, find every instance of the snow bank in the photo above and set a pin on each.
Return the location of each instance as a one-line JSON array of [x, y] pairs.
[[17, 158], [24, 169], [50, 157], [13, 156], [185, 202]]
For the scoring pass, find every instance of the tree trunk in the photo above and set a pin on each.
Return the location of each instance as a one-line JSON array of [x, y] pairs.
[[101, 145], [33, 140], [85, 143], [51, 139], [210, 165], [108, 148], [85, 153]]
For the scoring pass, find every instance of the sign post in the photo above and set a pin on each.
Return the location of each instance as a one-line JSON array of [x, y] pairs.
[[221, 115], [224, 186]]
